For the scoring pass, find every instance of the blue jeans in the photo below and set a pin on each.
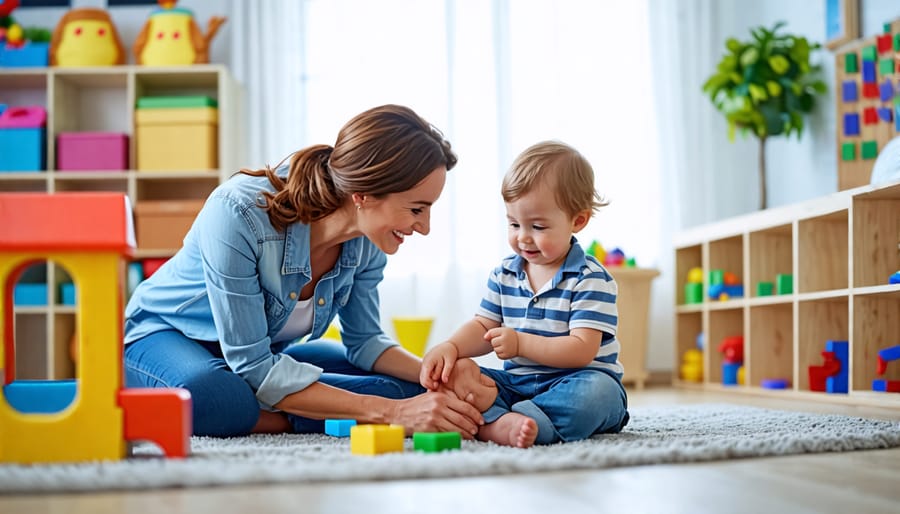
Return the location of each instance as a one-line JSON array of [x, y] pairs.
[[223, 404], [567, 406]]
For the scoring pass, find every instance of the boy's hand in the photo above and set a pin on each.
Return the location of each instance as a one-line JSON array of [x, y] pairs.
[[437, 365], [504, 340]]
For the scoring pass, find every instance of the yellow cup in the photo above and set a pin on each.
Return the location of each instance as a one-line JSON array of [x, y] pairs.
[[413, 333]]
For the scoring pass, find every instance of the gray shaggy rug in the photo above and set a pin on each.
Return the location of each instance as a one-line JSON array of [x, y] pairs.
[[655, 435]]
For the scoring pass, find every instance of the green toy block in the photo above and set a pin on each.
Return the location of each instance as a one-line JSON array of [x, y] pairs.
[[716, 277], [630, 263], [886, 66], [870, 53], [784, 283], [869, 149], [764, 288], [432, 442], [897, 42], [851, 65], [886, 27], [693, 293], [848, 151]]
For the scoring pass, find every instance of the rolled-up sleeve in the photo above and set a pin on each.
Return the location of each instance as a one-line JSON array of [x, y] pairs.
[[361, 329]]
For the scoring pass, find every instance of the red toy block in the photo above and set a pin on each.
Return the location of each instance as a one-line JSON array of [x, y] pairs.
[[733, 349], [886, 386], [870, 90], [885, 44], [160, 415], [819, 374], [870, 116]]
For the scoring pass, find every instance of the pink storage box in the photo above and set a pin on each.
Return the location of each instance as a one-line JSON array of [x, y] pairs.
[[91, 151]]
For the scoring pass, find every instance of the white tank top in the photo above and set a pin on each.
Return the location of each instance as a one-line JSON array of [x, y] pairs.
[[299, 323]]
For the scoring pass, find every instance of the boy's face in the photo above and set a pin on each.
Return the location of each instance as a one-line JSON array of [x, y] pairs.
[[539, 231]]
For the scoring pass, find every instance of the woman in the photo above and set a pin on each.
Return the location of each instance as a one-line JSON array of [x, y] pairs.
[[272, 257]]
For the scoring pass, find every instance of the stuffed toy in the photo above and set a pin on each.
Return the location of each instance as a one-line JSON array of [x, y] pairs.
[[171, 37], [86, 37]]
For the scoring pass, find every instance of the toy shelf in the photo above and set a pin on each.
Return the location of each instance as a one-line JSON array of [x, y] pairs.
[[104, 99], [836, 254]]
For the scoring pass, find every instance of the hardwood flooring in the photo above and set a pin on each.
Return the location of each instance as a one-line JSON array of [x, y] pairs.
[[858, 482]]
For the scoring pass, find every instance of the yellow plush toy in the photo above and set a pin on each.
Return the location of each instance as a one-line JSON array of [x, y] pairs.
[[171, 37], [86, 37]]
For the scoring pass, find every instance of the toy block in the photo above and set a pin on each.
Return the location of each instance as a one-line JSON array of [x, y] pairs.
[[784, 283], [869, 149], [724, 292], [818, 374], [886, 66], [730, 373], [886, 386], [376, 439], [895, 277], [838, 382], [775, 383], [870, 90], [695, 275], [40, 396], [869, 53], [884, 43], [886, 355], [732, 349], [851, 63], [885, 114], [432, 442], [851, 124], [693, 293], [160, 415], [716, 276], [868, 72], [766, 288], [886, 90], [152, 264], [870, 116], [850, 92], [339, 427], [30, 295], [897, 42]]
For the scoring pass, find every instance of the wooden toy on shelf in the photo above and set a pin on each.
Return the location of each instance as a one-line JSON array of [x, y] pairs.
[[90, 234], [171, 37], [86, 37], [884, 356]]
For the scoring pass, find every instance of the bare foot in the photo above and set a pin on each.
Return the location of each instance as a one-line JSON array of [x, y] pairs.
[[511, 429]]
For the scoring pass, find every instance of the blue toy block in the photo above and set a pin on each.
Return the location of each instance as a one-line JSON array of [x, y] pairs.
[[30, 54], [895, 278], [775, 383], [733, 291], [850, 91], [30, 295], [851, 124], [730, 372], [339, 427], [886, 90], [890, 354], [67, 294], [839, 383], [40, 396], [885, 114], [868, 72]]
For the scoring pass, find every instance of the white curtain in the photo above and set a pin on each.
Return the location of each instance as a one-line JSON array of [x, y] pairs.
[[496, 76]]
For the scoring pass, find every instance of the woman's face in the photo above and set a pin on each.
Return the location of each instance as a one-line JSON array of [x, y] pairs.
[[387, 221]]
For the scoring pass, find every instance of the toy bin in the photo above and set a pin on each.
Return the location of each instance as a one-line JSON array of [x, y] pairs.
[[177, 133], [30, 54], [22, 139], [91, 151], [162, 224]]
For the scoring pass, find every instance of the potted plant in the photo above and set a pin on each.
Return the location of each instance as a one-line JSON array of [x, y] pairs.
[[765, 86]]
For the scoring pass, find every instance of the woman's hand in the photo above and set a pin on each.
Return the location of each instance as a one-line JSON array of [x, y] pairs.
[[436, 412], [437, 365]]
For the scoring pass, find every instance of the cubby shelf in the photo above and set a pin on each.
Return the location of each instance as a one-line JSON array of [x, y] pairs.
[[840, 251], [102, 99]]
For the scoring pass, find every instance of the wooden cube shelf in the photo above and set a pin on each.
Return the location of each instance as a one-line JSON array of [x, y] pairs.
[[838, 253]]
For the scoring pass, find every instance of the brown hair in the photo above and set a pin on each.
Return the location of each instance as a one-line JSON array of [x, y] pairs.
[[387, 149], [565, 170]]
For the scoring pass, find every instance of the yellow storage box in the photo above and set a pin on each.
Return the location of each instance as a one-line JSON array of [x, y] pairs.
[[177, 133]]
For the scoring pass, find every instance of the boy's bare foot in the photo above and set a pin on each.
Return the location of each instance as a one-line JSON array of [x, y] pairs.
[[511, 429]]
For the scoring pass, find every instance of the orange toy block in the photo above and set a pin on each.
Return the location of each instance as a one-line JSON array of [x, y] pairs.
[[162, 416]]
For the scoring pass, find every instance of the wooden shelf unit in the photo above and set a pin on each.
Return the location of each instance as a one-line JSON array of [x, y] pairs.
[[103, 99], [841, 250]]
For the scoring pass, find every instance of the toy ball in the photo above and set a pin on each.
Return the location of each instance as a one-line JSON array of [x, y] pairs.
[[86, 37], [730, 279], [695, 276]]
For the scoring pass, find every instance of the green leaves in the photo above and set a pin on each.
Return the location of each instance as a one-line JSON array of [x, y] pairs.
[[767, 84]]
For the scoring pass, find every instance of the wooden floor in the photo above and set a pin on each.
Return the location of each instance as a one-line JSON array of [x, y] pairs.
[[858, 482]]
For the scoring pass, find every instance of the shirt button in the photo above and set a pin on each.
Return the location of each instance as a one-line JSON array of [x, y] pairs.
[[535, 299], [293, 296], [321, 301]]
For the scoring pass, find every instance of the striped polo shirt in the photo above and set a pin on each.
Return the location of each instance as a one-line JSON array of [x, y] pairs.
[[581, 295]]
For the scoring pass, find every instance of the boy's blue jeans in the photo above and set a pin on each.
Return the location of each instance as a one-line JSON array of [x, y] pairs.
[[223, 404], [567, 406]]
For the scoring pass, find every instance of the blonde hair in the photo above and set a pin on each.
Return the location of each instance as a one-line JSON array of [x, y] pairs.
[[387, 149], [562, 168]]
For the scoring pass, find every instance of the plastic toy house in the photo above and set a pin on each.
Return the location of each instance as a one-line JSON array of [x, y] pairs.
[[91, 417]]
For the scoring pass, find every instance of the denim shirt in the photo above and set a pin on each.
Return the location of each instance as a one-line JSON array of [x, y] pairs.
[[237, 279]]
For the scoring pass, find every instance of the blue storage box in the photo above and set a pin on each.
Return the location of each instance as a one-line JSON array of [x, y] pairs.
[[30, 295], [28, 55], [67, 294], [23, 139]]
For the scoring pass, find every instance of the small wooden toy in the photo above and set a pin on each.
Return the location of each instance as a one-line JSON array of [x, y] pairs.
[[433, 442], [86, 37], [376, 439]]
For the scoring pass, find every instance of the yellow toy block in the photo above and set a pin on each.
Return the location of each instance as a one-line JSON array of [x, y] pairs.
[[376, 439]]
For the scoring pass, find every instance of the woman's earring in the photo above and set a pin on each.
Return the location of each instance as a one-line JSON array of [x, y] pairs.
[[358, 206]]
